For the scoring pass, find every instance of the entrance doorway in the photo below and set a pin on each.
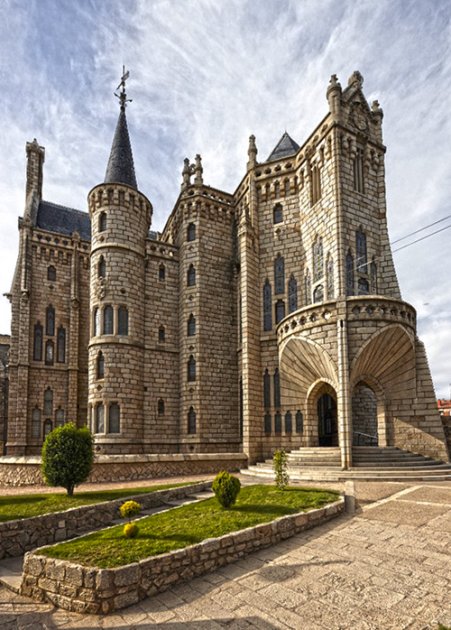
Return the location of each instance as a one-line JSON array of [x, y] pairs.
[[327, 421]]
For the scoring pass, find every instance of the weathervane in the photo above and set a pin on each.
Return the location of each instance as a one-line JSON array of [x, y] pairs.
[[122, 96]]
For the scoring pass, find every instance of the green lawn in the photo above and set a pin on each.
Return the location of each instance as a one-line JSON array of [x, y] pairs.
[[26, 505], [187, 525]]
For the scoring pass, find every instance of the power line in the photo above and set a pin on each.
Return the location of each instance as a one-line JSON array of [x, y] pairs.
[[421, 229], [422, 238]]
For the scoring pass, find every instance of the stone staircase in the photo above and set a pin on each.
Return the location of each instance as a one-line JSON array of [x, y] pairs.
[[370, 463]]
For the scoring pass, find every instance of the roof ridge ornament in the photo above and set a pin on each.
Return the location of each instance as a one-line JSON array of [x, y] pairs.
[[122, 96]]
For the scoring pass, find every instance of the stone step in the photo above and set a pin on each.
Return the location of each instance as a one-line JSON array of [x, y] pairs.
[[361, 475], [11, 573]]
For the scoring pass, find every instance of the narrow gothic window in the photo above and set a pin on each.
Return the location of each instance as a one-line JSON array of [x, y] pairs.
[[102, 222], [299, 421], [358, 171], [37, 342], [101, 268], [191, 325], [191, 276], [100, 365], [349, 274], [277, 190], [49, 352], [114, 418], [95, 321], [267, 193], [161, 273], [61, 345], [307, 288], [59, 417], [280, 310], [161, 334], [48, 402], [288, 422], [51, 273], [279, 274], [108, 320], [287, 187], [267, 308], [330, 278], [317, 255], [278, 422], [292, 294], [99, 425], [48, 425], [191, 421], [161, 407], [267, 389], [191, 232], [50, 321], [373, 268], [36, 424], [363, 286], [315, 185], [276, 388], [122, 320], [278, 213], [267, 423], [191, 369], [318, 294], [361, 256]]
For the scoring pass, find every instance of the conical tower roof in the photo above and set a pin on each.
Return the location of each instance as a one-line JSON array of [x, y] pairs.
[[285, 147], [121, 169]]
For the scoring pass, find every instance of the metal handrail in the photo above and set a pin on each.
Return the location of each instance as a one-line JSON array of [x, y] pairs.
[[359, 434]]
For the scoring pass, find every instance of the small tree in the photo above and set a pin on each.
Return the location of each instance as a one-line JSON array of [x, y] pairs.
[[127, 510], [67, 456], [226, 488], [280, 469]]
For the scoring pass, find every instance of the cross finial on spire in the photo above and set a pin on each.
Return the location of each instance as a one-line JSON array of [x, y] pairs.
[[122, 96]]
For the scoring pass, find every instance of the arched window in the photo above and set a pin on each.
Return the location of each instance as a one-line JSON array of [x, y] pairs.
[[191, 421], [318, 294], [288, 422], [48, 426], [37, 342], [102, 222], [100, 365], [279, 274], [162, 273], [36, 424], [99, 419], [292, 294], [276, 190], [307, 288], [287, 187], [101, 267], [108, 320], [358, 171], [267, 389], [317, 255], [276, 379], [315, 185], [280, 310], [191, 276], [49, 352], [50, 321], [373, 270], [191, 369], [267, 308], [360, 246], [363, 286], [277, 422], [278, 213], [299, 421], [114, 418], [267, 423], [191, 232], [61, 345], [349, 274], [59, 417], [51, 273], [330, 278], [161, 407], [122, 320], [191, 325], [161, 334], [95, 321], [48, 402]]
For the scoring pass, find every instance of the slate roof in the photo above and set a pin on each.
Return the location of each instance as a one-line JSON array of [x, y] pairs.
[[56, 218], [285, 147], [121, 169]]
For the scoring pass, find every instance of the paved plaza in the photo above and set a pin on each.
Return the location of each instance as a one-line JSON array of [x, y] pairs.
[[386, 567]]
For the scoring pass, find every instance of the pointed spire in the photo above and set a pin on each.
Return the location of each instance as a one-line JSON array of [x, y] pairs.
[[285, 147], [121, 169], [252, 153]]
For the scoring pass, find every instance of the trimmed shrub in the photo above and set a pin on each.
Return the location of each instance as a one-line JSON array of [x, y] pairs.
[[226, 488], [279, 463], [129, 509], [67, 456], [131, 530]]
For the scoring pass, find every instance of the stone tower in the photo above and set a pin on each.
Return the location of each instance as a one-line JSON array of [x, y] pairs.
[[120, 219]]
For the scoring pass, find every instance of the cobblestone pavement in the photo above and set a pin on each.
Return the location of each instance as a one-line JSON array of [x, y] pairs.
[[387, 567]]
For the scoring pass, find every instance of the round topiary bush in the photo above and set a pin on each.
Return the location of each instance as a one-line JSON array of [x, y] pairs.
[[129, 509], [131, 530], [226, 488], [67, 456]]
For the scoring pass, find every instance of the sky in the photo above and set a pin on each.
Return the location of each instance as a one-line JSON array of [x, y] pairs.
[[204, 75]]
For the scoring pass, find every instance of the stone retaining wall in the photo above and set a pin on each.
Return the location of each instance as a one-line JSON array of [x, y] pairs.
[[24, 471], [17, 537], [99, 591]]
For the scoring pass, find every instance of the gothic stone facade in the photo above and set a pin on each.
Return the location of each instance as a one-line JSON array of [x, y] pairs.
[[264, 318]]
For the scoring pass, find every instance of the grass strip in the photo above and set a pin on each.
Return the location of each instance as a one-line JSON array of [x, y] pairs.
[[188, 525], [27, 505]]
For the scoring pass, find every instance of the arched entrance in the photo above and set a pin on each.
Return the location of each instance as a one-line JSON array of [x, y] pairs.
[[327, 420], [364, 416]]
